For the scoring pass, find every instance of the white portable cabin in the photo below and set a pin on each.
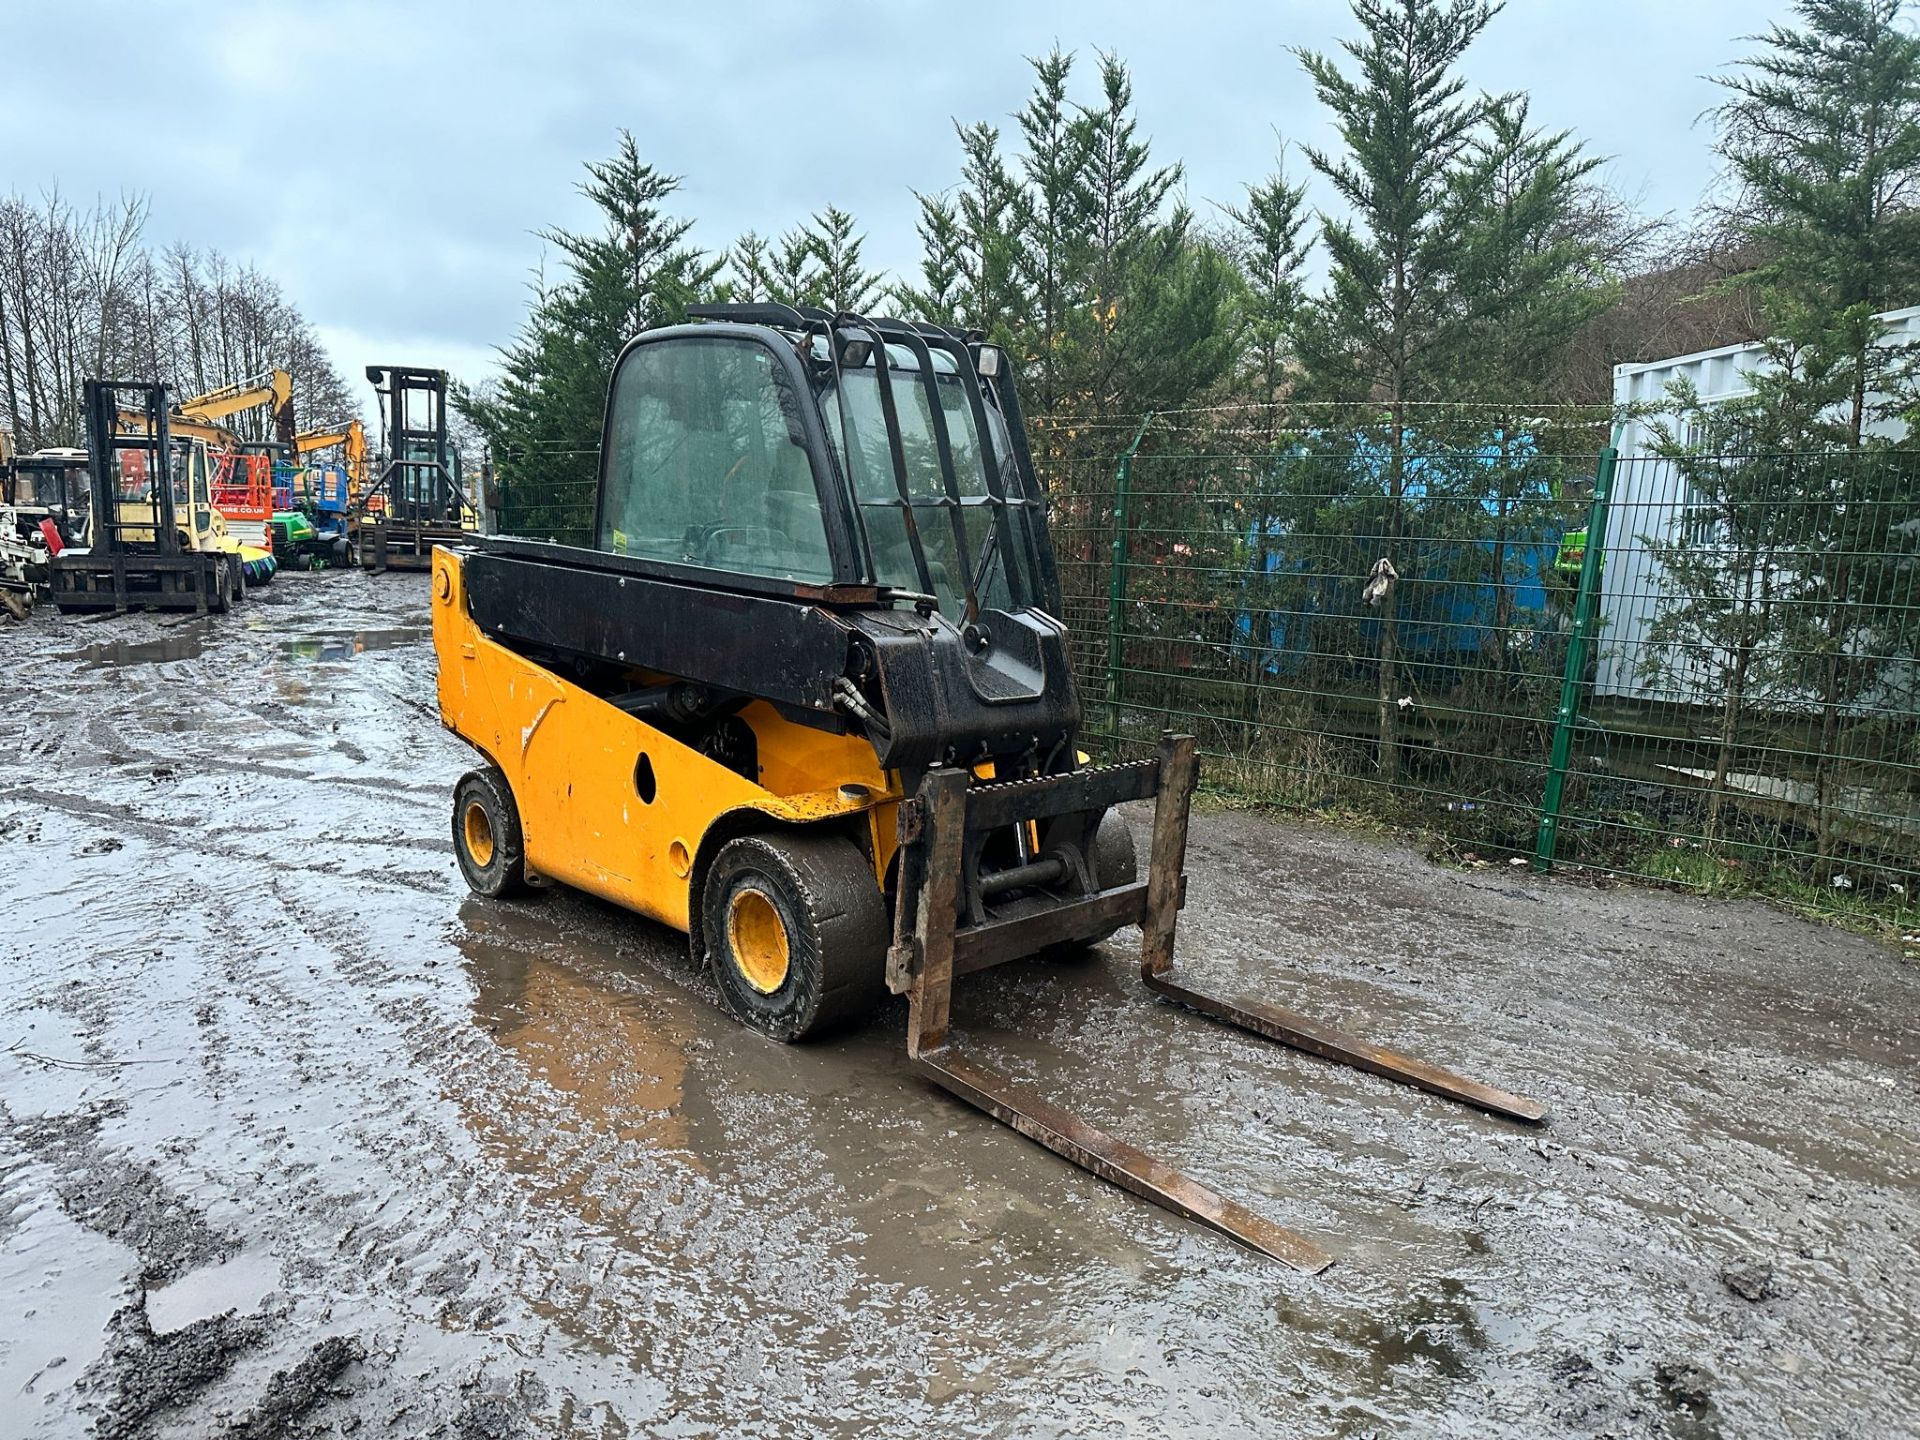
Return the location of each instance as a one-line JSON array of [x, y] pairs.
[[1650, 500]]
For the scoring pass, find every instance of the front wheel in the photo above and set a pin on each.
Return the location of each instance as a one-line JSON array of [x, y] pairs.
[[486, 835], [796, 930]]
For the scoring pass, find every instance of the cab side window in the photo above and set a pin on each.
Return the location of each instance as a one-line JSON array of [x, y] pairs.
[[706, 463]]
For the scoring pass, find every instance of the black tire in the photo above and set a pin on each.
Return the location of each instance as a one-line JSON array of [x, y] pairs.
[[238, 571], [832, 932], [486, 835], [222, 597]]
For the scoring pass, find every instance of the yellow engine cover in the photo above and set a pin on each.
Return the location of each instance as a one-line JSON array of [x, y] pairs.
[[610, 804]]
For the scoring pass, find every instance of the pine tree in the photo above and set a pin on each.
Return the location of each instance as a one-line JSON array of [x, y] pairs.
[[793, 270], [937, 298], [1529, 270], [1125, 194], [748, 277], [1271, 231], [1822, 134], [841, 281], [542, 421], [1053, 245], [1381, 331], [992, 214]]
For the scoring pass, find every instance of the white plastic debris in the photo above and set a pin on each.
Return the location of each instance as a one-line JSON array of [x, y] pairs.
[[1379, 581]]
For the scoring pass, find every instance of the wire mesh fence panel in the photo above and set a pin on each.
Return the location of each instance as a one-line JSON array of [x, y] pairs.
[[1702, 671], [1383, 620], [1753, 713], [547, 508]]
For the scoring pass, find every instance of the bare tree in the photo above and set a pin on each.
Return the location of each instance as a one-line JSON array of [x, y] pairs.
[[82, 296]]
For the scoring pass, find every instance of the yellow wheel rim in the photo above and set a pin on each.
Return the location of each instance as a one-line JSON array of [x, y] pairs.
[[758, 940], [479, 833]]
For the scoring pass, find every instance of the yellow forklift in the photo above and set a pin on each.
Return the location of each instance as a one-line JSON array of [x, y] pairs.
[[807, 699], [154, 538]]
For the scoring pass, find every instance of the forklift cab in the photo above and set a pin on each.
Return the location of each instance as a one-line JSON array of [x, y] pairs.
[[47, 485], [199, 525], [770, 444]]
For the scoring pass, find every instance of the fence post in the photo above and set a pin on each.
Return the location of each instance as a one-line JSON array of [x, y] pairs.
[[1117, 576], [1584, 603]]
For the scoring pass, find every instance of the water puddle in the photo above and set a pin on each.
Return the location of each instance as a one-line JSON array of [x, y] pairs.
[[346, 645], [237, 1284], [618, 1058], [183, 644]]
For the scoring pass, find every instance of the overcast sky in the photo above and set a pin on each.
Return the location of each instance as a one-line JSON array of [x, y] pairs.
[[388, 163]]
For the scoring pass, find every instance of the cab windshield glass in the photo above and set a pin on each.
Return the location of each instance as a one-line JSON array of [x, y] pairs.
[[856, 426]]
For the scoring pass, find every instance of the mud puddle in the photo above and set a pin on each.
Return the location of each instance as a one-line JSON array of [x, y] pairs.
[[328, 648], [186, 643], [304, 1139]]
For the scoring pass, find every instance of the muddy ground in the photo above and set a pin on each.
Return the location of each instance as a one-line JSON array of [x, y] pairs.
[[299, 1138]]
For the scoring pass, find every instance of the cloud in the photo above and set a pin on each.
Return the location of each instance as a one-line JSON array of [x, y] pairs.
[[390, 164]]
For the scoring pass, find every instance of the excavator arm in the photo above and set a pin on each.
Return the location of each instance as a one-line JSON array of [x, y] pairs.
[[273, 390], [351, 437]]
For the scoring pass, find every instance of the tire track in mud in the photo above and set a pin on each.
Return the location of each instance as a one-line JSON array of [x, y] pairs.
[[660, 1264], [516, 1160]]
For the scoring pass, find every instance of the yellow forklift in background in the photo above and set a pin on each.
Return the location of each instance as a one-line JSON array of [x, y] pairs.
[[807, 699], [154, 538]]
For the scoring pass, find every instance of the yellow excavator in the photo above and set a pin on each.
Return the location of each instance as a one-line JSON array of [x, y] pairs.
[[273, 390], [351, 439], [807, 698]]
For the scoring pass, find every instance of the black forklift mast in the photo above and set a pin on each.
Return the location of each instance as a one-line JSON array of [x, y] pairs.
[[105, 439], [418, 482], [141, 559], [418, 500]]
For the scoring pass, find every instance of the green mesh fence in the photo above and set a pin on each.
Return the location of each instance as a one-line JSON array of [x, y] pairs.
[[1720, 689]]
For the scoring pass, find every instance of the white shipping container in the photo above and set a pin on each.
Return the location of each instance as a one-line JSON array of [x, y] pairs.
[[1651, 502]]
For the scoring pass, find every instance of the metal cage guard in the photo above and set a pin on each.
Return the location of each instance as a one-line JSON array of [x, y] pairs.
[[931, 948]]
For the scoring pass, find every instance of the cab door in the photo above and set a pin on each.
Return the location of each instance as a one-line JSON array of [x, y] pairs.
[[202, 520]]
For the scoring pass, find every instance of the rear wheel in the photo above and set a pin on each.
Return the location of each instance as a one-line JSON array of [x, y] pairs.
[[796, 931], [486, 834]]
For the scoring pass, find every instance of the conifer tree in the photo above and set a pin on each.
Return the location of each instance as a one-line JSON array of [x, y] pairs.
[[542, 421], [1124, 196], [937, 298], [992, 213], [1822, 134], [748, 274], [841, 281], [1053, 247], [1273, 241], [1380, 333]]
